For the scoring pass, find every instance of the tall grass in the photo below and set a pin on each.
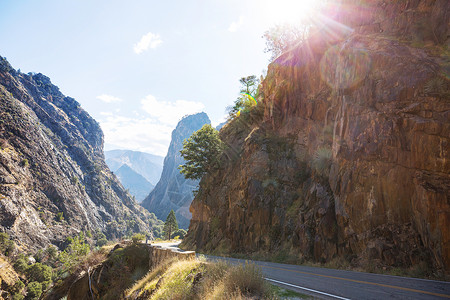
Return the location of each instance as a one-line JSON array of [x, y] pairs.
[[195, 279]]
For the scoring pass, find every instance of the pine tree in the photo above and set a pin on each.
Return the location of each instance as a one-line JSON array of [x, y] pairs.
[[171, 225]]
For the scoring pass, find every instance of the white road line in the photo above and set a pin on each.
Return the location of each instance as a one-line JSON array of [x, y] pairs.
[[306, 289]]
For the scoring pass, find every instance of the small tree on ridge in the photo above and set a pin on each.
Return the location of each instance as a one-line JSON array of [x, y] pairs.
[[171, 225]]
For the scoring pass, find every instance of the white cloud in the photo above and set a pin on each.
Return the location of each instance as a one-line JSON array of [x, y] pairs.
[[108, 98], [170, 112], [137, 134], [234, 26], [149, 40], [148, 130]]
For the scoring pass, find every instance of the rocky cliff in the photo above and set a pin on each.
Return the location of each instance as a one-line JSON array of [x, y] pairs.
[[53, 178], [173, 191], [347, 154]]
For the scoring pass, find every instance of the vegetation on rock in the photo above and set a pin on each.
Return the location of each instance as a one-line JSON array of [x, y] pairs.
[[281, 37], [201, 152], [335, 163], [248, 92]]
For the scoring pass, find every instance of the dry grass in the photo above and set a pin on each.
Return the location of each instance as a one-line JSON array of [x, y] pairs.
[[195, 279], [7, 273], [148, 282], [247, 279], [93, 259]]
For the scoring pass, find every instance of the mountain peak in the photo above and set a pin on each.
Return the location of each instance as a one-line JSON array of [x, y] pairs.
[[173, 191]]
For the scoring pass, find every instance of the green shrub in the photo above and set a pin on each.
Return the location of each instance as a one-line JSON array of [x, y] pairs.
[[180, 233], [158, 231], [20, 265], [17, 296], [18, 287], [6, 245], [52, 252], [34, 289], [137, 238], [60, 217], [39, 272], [101, 242], [39, 255], [24, 163], [74, 252], [46, 284], [322, 161]]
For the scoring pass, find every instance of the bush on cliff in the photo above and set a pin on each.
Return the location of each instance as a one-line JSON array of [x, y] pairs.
[[34, 290], [322, 161], [39, 272], [201, 152], [75, 251], [6, 245]]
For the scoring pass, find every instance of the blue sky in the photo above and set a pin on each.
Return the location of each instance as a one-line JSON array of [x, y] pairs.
[[138, 66]]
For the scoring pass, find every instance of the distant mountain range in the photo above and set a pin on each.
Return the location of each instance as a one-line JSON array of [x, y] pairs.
[[136, 184], [137, 171], [148, 165]]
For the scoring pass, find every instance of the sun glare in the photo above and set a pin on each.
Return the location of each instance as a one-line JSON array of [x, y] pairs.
[[288, 11]]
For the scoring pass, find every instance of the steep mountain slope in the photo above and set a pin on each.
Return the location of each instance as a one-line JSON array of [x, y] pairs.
[[137, 185], [173, 191], [52, 163], [146, 164], [346, 156]]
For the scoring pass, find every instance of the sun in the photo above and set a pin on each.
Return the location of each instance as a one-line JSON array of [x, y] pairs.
[[288, 11]]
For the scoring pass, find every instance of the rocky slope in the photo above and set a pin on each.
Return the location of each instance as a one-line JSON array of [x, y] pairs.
[[173, 191], [134, 182], [54, 181], [347, 154], [148, 165]]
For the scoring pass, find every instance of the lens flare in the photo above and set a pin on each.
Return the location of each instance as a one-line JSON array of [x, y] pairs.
[[288, 11], [344, 68], [252, 101], [250, 97]]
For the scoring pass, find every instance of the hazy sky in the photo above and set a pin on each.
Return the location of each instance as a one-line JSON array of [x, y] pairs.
[[138, 66]]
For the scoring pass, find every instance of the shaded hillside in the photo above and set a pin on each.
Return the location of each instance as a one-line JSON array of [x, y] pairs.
[[134, 182], [54, 181], [346, 155], [173, 191], [146, 164]]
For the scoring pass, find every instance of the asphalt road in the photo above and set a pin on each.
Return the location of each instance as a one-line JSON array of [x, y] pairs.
[[338, 284]]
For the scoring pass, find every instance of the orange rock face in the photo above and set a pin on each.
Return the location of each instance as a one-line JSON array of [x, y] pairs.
[[347, 154]]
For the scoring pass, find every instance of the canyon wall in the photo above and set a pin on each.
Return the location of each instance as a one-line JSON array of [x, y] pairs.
[[347, 153], [54, 181]]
